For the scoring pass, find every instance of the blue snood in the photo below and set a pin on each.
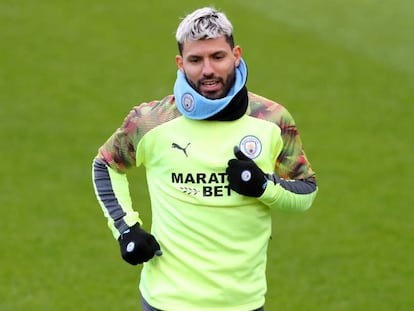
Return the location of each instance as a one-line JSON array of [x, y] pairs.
[[195, 106]]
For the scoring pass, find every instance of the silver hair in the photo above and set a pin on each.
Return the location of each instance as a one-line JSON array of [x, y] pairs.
[[204, 23]]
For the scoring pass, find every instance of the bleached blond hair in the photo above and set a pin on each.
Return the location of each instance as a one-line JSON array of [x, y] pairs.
[[204, 23]]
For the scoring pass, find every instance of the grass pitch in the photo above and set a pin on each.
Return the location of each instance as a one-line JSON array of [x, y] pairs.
[[71, 70]]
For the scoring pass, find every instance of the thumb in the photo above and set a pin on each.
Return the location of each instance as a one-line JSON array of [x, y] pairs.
[[239, 154]]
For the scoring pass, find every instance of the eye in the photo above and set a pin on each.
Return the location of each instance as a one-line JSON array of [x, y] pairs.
[[218, 56], [193, 60]]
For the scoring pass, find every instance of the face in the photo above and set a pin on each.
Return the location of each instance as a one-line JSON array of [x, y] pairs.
[[209, 66]]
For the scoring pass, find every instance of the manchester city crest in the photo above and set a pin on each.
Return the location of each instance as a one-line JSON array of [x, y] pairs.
[[251, 146], [187, 102]]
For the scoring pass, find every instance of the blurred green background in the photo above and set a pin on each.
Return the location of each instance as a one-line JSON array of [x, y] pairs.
[[71, 70]]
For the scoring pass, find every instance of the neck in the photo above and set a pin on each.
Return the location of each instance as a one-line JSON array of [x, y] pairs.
[[235, 109], [195, 106]]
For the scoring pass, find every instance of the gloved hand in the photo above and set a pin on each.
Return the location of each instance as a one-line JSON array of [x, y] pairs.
[[137, 245], [244, 176]]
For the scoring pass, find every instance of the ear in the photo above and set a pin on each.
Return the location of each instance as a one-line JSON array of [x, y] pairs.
[[237, 53], [179, 62]]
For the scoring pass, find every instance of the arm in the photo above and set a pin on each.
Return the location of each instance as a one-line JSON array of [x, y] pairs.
[[112, 191], [289, 195], [111, 187], [110, 181], [246, 178], [118, 155], [292, 186]]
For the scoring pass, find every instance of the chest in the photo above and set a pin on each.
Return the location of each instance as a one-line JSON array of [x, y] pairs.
[[208, 145]]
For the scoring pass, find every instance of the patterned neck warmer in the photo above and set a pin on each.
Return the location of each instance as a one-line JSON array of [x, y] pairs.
[[197, 107]]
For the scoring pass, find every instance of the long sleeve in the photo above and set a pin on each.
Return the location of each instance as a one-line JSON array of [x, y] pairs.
[[112, 191], [289, 195], [109, 173], [118, 155], [292, 185]]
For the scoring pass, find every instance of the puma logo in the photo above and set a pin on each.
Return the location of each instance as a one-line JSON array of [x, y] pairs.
[[177, 146]]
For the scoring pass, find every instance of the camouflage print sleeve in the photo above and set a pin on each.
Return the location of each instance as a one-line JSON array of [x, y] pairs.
[[292, 162], [119, 151]]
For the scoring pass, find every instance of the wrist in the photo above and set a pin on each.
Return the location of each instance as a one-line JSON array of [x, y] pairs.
[[123, 235]]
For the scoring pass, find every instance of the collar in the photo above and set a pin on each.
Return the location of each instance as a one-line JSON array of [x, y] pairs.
[[197, 107]]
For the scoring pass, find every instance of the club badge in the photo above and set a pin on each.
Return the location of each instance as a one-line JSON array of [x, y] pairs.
[[187, 102], [246, 175], [251, 146], [130, 247]]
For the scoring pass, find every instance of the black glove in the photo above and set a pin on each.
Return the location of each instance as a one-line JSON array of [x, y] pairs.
[[244, 176], [137, 245]]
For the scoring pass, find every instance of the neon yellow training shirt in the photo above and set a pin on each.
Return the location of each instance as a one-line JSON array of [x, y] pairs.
[[214, 241]]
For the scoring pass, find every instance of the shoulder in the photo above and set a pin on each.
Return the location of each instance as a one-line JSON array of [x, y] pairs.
[[161, 108], [267, 109], [152, 113]]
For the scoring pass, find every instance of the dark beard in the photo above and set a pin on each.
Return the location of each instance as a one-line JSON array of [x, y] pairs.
[[227, 86]]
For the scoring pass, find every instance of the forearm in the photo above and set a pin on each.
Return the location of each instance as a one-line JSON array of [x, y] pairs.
[[112, 192], [289, 195]]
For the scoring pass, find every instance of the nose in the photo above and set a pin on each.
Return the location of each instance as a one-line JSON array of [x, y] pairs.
[[207, 68]]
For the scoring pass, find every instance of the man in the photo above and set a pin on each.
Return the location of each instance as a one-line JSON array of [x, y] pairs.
[[218, 159]]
